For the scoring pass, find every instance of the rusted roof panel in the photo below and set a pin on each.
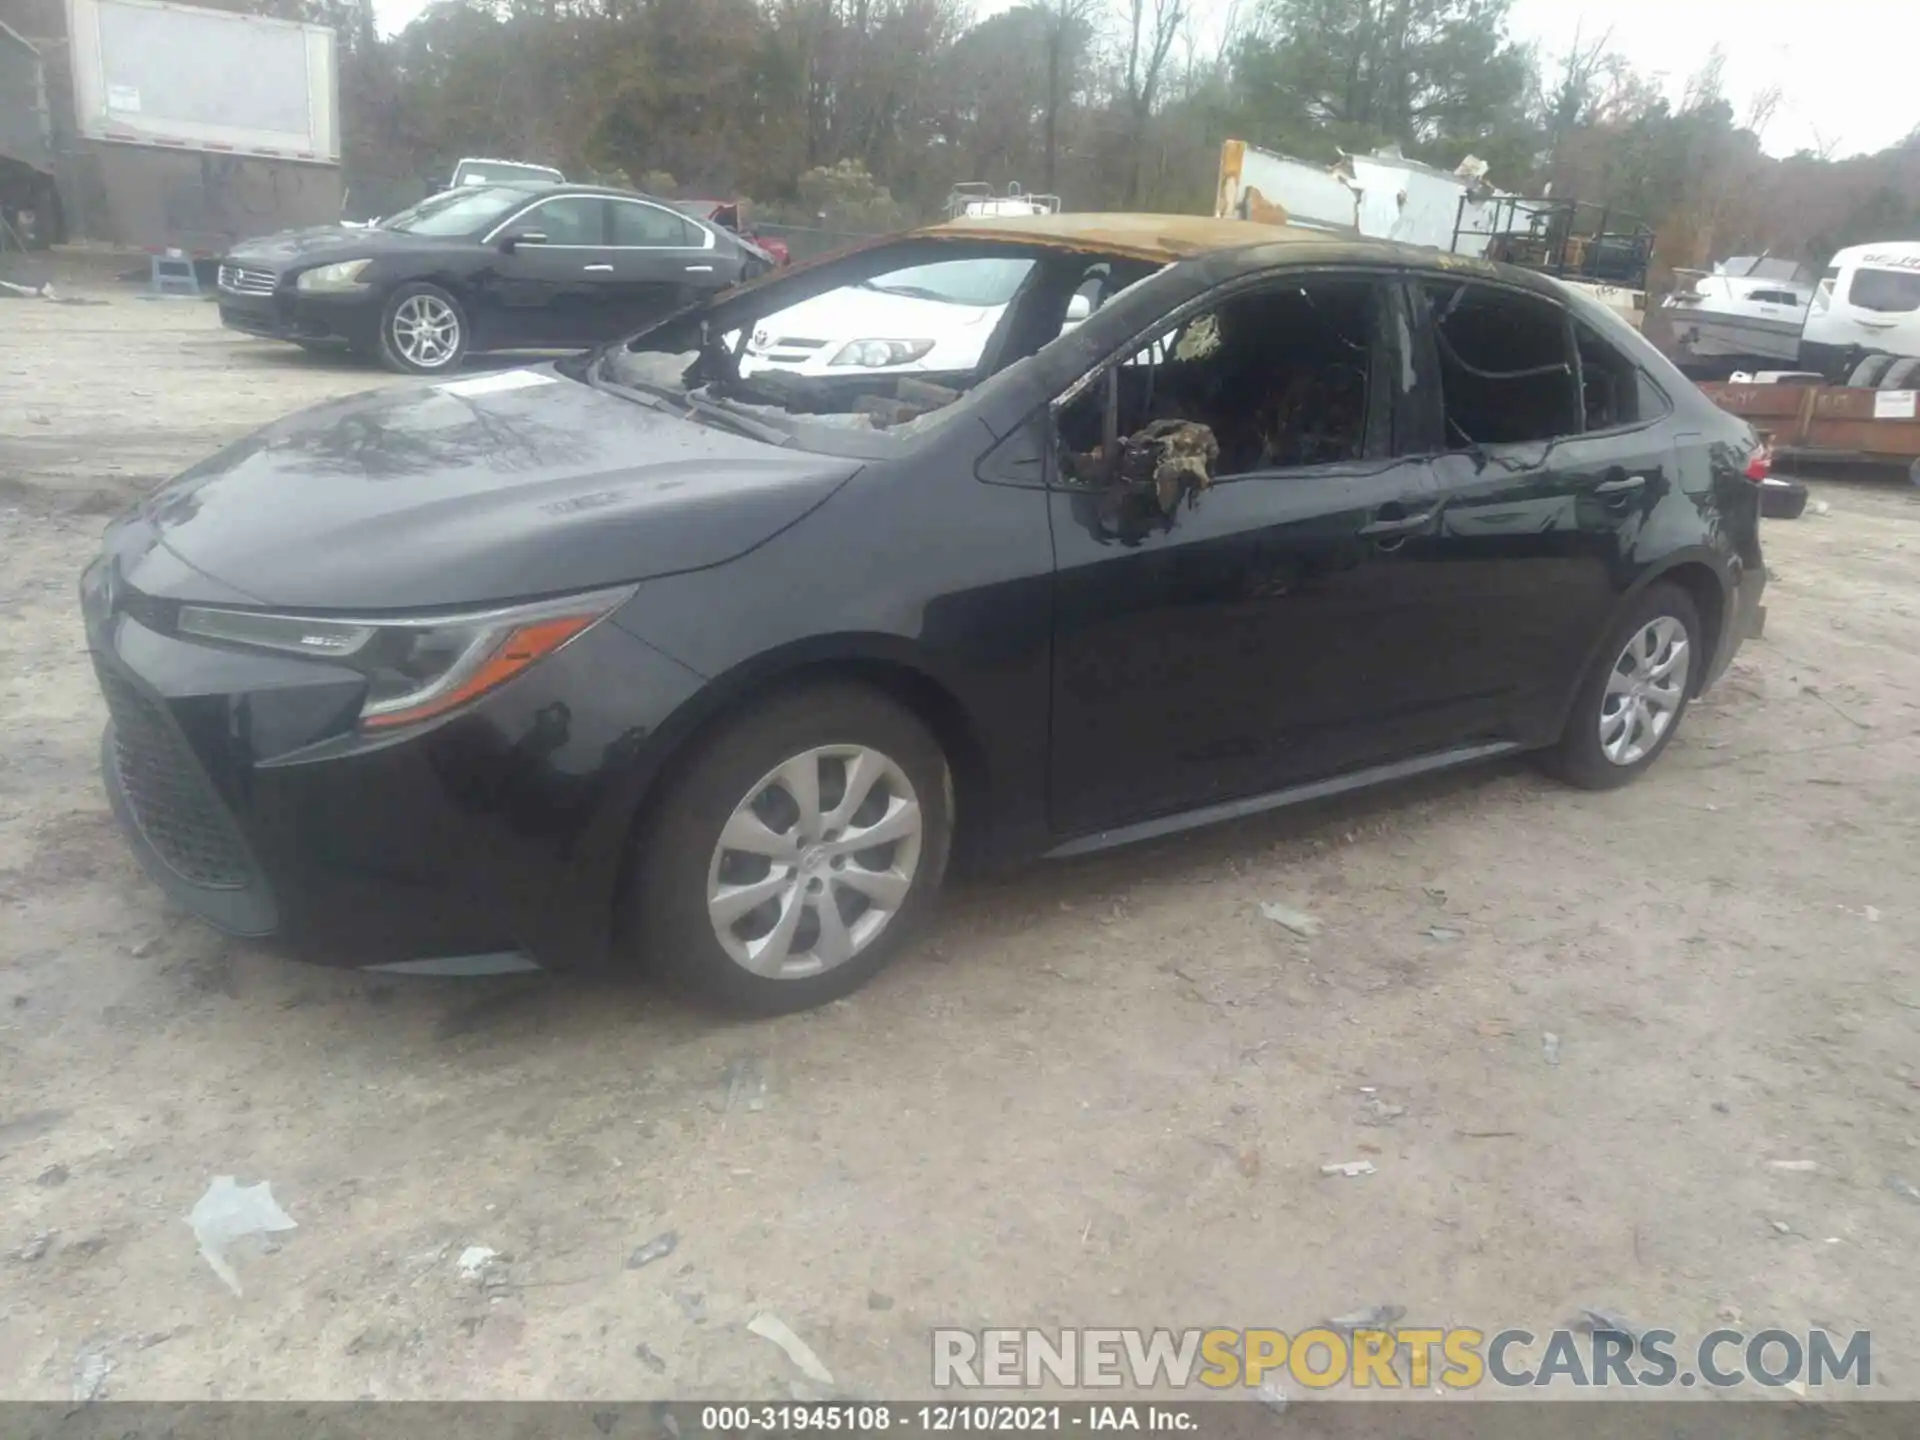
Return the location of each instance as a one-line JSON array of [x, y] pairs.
[[1143, 237]]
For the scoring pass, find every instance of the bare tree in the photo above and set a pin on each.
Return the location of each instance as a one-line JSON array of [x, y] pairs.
[[1152, 27], [1068, 22]]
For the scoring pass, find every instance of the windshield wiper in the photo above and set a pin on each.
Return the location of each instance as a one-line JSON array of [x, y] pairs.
[[725, 415]]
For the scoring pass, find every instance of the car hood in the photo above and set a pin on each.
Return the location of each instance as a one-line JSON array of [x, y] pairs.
[[320, 243], [854, 313], [497, 487]]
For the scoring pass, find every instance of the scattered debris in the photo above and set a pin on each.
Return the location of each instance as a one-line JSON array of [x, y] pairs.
[[1781, 1227], [1494, 1029], [1550, 1048], [658, 1248], [643, 1352], [769, 1326], [230, 1212], [1375, 1111], [145, 948], [475, 1261], [1272, 1395], [1801, 1166], [1723, 1107], [1796, 1388], [746, 1086], [1488, 1134], [35, 1248], [1729, 1313], [52, 1175], [1819, 507], [1903, 1188], [1248, 1162], [1873, 914], [90, 1370], [1351, 1169], [1374, 1317], [1606, 1322], [1298, 921], [877, 1301], [693, 1305], [1443, 934]]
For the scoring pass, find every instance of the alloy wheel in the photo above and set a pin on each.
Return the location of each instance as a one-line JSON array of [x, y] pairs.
[[815, 862], [426, 331], [1645, 690]]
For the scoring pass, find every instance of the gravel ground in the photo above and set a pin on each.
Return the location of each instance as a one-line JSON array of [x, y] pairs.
[[1098, 1093]]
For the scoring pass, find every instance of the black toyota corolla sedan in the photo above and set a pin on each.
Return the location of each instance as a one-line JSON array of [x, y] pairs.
[[482, 267], [629, 657]]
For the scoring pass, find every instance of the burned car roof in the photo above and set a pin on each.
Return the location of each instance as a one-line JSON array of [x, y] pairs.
[[1165, 238]]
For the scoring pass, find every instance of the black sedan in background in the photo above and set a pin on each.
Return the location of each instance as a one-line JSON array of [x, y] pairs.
[[482, 267], [635, 655]]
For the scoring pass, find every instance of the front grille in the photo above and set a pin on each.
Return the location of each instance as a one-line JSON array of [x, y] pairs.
[[242, 281], [797, 342], [172, 800]]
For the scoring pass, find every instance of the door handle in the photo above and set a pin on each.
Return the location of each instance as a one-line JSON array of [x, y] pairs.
[[699, 269], [1620, 486], [1397, 525], [597, 269]]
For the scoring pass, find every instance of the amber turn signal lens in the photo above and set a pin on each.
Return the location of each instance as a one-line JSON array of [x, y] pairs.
[[515, 653]]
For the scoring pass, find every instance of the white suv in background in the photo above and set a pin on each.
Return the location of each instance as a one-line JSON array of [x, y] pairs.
[[1863, 327]]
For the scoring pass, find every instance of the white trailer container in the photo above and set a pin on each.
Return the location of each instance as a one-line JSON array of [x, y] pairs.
[[201, 127], [1386, 196]]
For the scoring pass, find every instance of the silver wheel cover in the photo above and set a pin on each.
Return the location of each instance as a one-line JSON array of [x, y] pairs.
[[815, 862], [426, 331], [1645, 689]]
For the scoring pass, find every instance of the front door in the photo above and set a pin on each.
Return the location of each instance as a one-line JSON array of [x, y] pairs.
[[1259, 630], [550, 286]]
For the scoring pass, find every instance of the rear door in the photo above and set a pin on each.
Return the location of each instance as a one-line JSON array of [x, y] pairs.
[[660, 260], [1545, 472]]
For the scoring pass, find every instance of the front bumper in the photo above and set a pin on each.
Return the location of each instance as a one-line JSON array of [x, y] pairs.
[[246, 794], [352, 320]]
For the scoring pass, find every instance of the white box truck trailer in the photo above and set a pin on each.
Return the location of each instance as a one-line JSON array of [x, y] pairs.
[[196, 128]]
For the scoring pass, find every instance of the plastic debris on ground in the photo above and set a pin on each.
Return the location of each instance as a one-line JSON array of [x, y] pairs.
[[769, 1326], [1801, 1166], [658, 1248], [1298, 921], [1903, 1188], [1351, 1169], [1550, 1048], [1375, 1111], [476, 1260], [1271, 1395], [1374, 1317], [1443, 933], [34, 1248], [1606, 1322], [229, 1212], [91, 1367]]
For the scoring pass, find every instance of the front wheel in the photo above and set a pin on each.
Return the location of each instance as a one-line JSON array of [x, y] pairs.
[[423, 331], [1631, 702], [796, 853]]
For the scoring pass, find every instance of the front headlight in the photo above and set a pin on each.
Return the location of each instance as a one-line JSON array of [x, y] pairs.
[[872, 354], [336, 279], [417, 669]]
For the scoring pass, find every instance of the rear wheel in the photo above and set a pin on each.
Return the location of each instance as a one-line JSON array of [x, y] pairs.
[[797, 852], [1867, 373], [1901, 375], [1630, 703]]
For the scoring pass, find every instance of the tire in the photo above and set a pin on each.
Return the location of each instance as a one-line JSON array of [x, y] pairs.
[[1866, 375], [1782, 500], [680, 865], [415, 310], [1579, 758], [1901, 375]]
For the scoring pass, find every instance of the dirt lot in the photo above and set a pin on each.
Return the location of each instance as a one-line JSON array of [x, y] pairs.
[[1097, 1094]]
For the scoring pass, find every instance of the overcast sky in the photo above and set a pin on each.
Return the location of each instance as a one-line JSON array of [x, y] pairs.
[[1846, 70]]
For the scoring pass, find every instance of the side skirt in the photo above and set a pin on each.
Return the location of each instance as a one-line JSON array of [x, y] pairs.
[[1280, 799]]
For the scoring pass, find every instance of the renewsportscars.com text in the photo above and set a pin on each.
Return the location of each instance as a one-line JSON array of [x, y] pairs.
[[1405, 1358]]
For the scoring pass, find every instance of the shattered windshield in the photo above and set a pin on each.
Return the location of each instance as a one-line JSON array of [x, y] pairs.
[[458, 212], [849, 359]]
